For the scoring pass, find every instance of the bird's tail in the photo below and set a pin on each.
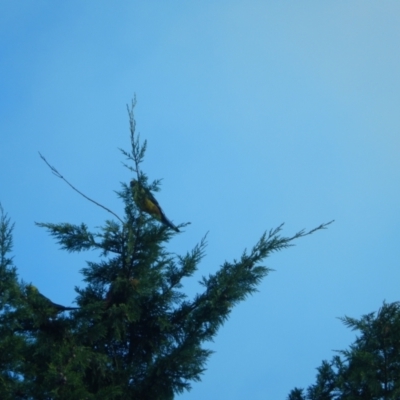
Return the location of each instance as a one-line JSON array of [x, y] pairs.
[[167, 222]]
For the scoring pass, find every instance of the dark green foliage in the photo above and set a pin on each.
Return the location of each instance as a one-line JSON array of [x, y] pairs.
[[136, 334], [11, 346], [296, 394], [369, 369], [70, 237]]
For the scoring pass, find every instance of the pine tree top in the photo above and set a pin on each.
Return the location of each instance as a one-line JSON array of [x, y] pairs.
[[135, 333]]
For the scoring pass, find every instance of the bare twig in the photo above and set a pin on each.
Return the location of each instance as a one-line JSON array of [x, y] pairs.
[[58, 175]]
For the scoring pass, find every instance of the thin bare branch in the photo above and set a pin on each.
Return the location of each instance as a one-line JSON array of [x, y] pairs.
[[58, 175]]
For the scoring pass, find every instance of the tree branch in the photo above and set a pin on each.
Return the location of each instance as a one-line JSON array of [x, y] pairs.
[[58, 175]]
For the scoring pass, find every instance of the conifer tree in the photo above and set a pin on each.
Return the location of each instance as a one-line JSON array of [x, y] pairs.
[[369, 369], [135, 333]]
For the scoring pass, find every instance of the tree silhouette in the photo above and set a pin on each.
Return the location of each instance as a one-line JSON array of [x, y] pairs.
[[136, 334], [369, 369]]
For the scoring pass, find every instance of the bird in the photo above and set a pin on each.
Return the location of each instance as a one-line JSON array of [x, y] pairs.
[[147, 203], [38, 301]]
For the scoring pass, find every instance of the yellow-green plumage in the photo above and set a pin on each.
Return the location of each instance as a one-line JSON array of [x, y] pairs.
[[147, 203]]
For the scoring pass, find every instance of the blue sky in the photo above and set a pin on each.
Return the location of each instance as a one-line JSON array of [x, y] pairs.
[[256, 113]]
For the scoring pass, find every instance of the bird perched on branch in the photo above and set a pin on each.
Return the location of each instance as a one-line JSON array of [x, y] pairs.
[[147, 203], [39, 301]]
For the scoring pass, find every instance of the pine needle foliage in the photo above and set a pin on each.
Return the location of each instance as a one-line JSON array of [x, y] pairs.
[[369, 369], [136, 334]]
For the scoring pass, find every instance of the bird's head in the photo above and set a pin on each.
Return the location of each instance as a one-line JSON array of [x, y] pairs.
[[30, 289]]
